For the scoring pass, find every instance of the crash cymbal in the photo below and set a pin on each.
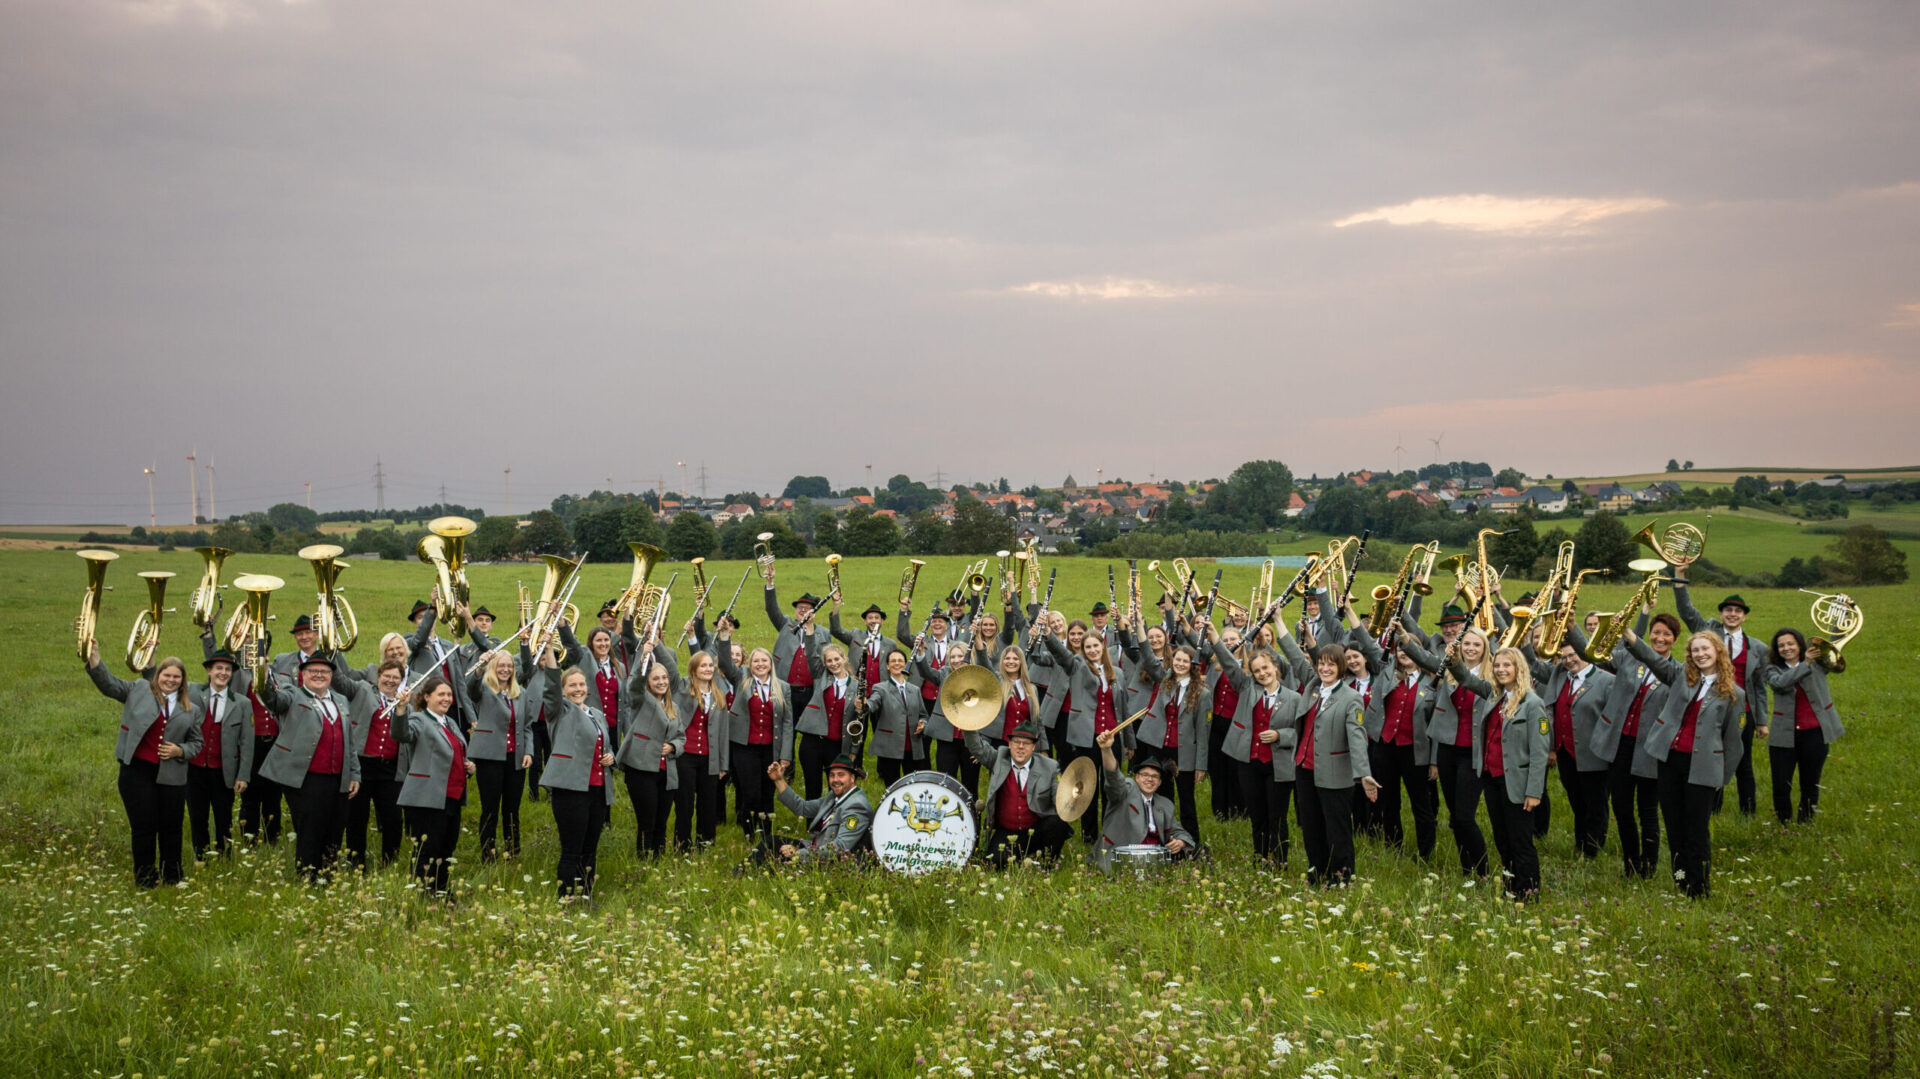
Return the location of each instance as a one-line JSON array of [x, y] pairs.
[[1073, 792], [970, 697]]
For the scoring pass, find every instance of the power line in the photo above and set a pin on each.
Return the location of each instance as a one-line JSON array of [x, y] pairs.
[[703, 481], [379, 487]]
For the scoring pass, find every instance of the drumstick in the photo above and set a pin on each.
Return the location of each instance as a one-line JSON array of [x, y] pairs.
[[1133, 717]]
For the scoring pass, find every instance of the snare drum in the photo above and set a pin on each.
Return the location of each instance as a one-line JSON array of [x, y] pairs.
[[1139, 859]]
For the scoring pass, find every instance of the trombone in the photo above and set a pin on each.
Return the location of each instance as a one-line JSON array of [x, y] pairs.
[[144, 640], [87, 626]]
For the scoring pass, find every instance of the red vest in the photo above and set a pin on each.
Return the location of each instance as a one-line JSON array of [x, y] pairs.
[[1396, 728], [210, 741], [330, 753], [1010, 809], [799, 672], [1804, 718], [1563, 718], [1495, 759], [1261, 752], [759, 720], [1303, 756], [457, 776]]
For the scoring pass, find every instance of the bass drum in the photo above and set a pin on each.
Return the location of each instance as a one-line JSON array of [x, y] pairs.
[[924, 822]]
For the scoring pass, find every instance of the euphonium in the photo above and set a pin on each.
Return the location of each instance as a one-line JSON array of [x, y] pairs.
[[1010, 584], [87, 626], [1560, 621], [1839, 619], [1006, 574], [246, 632], [1615, 626], [334, 621], [763, 555], [549, 609], [910, 577], [444, 549], [638, 598], [144, 641], [206, 597]]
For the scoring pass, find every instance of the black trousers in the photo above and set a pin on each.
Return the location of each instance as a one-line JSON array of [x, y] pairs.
[[1636, 801], [752, 789], [816, 751], [319, 810], [579, 817], [1513, 837], [379, 799], [209, 795], [1688, 809], [1460, 785], [1587, 801], [260, 804], [501, 784], [648, 793], [1743, 781], [1182, 788], [1393, 766], [1809, 755], [698, 798], [542, 749], [436, 832], [1044, 841], [154, 813], [892, 768], [1542, 814], [1326, 829], [1097, 810], [1228, 802], [1267, 801], [953, 759]]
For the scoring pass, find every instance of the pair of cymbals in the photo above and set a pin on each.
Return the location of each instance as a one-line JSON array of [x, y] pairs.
[[1073, 791]]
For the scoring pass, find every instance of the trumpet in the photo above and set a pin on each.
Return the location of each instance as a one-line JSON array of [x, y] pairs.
[[444, 549], [1680, 546], [246, 632], [909, 577], [144, 641], [206, 596], [1172, 590], [1839, 619], [334, 620], [87, 626], [763, 555]]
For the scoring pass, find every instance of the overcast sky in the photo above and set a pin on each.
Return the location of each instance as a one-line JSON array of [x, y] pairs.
[[1020, 239]]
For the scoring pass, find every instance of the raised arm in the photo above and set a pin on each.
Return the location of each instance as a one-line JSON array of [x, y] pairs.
[[833, 627], [105, 681], [723, 655], [1230, 666], [576, 652], [1421, 658], [1664, 668], [1683, 605], [982, 750], [773, 609], [422, 634]]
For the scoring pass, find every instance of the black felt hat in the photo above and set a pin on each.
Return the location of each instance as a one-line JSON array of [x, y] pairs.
[[849, 764]]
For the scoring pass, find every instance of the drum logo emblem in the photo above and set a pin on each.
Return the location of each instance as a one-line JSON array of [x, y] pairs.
[[925, 812]]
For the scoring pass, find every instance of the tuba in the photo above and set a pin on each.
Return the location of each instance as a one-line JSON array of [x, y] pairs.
[[206, 597], [909, 577], [87, 626], [551, 609], [1839, 620], [144, 641], [246, 632], [334, 620], [763, 555], [443, 549]]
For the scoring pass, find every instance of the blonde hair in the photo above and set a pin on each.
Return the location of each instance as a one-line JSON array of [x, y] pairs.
[[153, 683], [511, 690], [1522, 680], [390, 638], [777, 692], [1025, 679], [1723, 682], [713, 684], [665, 702], [1485, 667]]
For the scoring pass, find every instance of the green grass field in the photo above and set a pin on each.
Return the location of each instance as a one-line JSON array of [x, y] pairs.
[[1802, 963]]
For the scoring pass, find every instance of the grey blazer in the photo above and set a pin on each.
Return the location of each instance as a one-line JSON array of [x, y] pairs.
[[1716, 730], [1383, 685], [577, 655], [857, 641], [1043, 774], [1339, 737], [493, 713], [719, 726], [1443, 726], [1808, 678], [1628, 673], [1757, 654], [1288, 708], [1191, 718], [236, 728], [739, 729], [813, 718], [892, 722], [1524, 738], [836, 826], [1084, 686], [426, 651], [139, 710], [1126, 821], [1588, 702], [430, 765], [786, 639], [648, 731], [300, 725], [574, 729]]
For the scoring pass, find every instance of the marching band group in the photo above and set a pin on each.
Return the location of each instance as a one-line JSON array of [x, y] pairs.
[[1339, 718]]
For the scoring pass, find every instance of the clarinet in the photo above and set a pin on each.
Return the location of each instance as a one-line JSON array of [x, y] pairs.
[[1359, 553]]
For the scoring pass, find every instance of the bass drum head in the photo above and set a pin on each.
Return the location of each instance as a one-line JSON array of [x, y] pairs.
[[924, 822]]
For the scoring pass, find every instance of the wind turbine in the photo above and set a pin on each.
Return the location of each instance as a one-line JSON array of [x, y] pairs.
[[1436, 447], [153, 521], [213, 509], [193, 486], [1399, 453]]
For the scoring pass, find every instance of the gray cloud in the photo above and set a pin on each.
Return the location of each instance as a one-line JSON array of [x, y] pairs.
[[989, 239]]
